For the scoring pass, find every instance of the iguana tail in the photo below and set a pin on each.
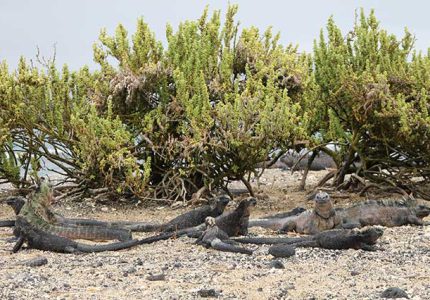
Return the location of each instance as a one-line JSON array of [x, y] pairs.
[[263, 240], [132, 226], [293, 212], [219, 245], [121, 245], [297, 242], [7, 223]]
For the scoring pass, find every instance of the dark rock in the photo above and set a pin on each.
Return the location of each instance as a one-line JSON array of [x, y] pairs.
[[35, 262], [282, 250], [156, 277], [277, 264], [130, 270], [394, 293], [355, 273], [208, 293]]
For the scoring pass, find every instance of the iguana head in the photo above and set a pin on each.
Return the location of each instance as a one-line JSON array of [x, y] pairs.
[[246, 204], [370, 235], [422, 211], [16, 202], [221, 203], [321, 198], [323, 205], [249, 202], [44, 192]]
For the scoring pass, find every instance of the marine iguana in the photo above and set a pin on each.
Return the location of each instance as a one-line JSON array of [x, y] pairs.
[[364, 238], [36, 210], [37, 238], [384, 213], [34, 227], [322, 161], [186, 220], [218, 239], [322, 217], [233, 223], [236, 222]]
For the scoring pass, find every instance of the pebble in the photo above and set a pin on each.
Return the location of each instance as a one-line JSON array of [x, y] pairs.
[[282, 251], [208, 293], [157, 277], [277, 264], [394, 293], [35, 262]]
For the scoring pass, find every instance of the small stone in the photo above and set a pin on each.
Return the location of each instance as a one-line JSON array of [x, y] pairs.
[[35, 262], [282, 251], [104, 209], [355, 273], [394, 293], [129, 271], [99, 264], [157, 277], [277, 264], [208, 293]]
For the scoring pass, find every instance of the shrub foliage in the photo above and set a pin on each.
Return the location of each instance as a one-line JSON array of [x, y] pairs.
[[187, 117]]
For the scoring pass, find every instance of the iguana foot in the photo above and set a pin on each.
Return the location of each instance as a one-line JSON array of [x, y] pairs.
[[18, 244]]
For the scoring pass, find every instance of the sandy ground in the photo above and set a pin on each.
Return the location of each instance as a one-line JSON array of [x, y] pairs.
[[188, 270]]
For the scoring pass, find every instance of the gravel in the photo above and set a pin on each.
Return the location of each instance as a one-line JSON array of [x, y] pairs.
[[189, 271]]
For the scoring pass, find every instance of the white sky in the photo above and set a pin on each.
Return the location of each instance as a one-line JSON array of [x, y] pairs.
[[74, 25]]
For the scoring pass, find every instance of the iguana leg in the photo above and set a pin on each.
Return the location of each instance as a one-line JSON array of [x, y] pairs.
[[288, 227], [415, 220], [18, 244], [217, 244]]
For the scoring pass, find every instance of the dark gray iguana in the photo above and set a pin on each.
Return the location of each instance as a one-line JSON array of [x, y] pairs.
[[188, 219], [233, 223], [382, 212], [322, 217], [364, 239], [217, 239]]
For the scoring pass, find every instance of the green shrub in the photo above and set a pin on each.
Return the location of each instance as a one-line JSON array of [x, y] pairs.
[[374, 88], [212, 105]]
